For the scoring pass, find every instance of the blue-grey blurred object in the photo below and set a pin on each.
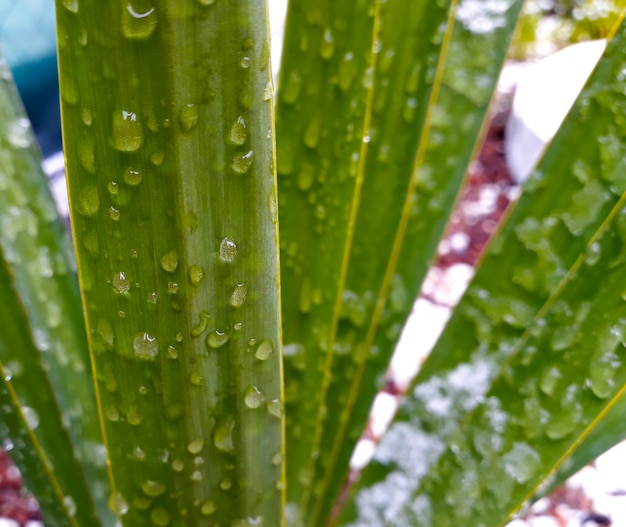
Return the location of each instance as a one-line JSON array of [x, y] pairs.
[[28, 43]]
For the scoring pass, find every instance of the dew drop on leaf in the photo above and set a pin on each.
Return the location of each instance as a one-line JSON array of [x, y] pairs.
[[265, 350], [118, 504], [160, 517], [208, 508], [89, 200], [127, 135], [169, 261], [238, 297], [243, 162], [146, 346], [195, 446], [153, 488], [228, 250], [120, 283], [138, 23], [31, 417], [238, 132], [132, 177], [217, 339], [188, 117], [253, 397]]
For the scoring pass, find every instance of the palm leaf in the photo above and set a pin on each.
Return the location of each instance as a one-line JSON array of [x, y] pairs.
[[530, 360], [43, 332], [166, 108]]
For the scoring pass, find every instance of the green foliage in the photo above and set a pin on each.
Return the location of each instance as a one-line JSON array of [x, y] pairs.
[[176, 194]]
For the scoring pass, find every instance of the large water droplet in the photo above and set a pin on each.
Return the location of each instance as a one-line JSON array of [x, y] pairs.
[[118, 504], [121, 284], [19, 133], [70, 505], [195, 446], [327, 45], [153, 488], [127, 135], [265, 350], [217, 339], [228, 250], [275, 408], [71, 5], [208, 508], [146, 346], [521, 462], [138, 23], [243, 162], [132, 177], [160, 517], [238, 132], [89, 200], [223, 436], [169, 261], [312, 132], [188, 117], [133, 417], [238, 297], [31, 417], [253, 397], [196, 274]]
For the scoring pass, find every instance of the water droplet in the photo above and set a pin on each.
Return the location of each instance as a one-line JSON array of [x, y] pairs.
[[347, 70], [188, 117], [118, 504], [172, 288], [195, 446], [197, 330], [178, 465], [521, 462], [89, 200], [237, 326], [243, 162], [70, 505], [111, 413], [275, 407], [327, 45], [226, 484], [238, 297], [291, 90], [153, 488], [169, 261], [121, 284], [312, 132], [253, 397], [238, 132], [127, 135], [19, 133], [217, 339], [196, 379], [133, 417], [245, 62], [160, 517], [223, 436], [87, 116], [138, 24], [114, 214], [196, 475], [157, 158], [208, 508], [277, 458], [206, 2], [265, 350], [31, 417], [196, 274], [132, 177], [174, 411], [268, 92], [228, 250], [71, 5], [146, 346]]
